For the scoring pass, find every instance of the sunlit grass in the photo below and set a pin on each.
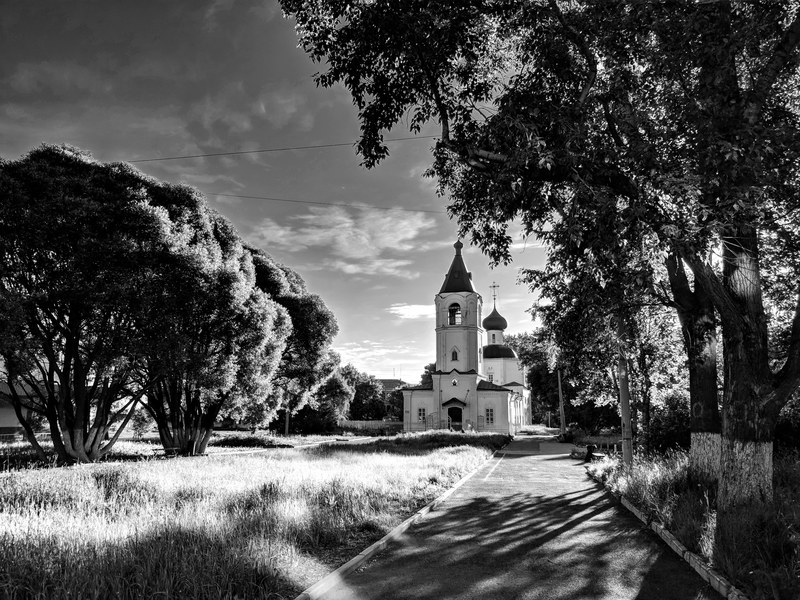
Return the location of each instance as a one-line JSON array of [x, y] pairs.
[[760, 550], [253, 526]]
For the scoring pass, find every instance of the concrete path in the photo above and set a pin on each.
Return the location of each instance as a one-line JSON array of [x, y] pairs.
[[529, 524]]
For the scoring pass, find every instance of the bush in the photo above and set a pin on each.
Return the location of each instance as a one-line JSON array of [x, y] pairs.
[[759, 550], [670, 425], [787, 430]]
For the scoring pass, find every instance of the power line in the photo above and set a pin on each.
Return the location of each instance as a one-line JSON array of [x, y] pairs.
[[266, 150], [420, 210]]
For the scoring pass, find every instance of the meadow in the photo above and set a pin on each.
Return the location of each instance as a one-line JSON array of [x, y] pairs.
[[262, 525], [760, 554]]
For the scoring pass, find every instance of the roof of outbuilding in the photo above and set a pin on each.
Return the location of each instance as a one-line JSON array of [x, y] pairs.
[[489, 386], [498, 351], [458, 279]]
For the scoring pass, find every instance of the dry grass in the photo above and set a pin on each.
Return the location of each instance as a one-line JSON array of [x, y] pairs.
[[253, 526], [759, 550]]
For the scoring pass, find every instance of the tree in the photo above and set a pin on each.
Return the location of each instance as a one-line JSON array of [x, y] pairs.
[[367, 403], [306, 361], [215, 338], [330, 405], [79, 242], [544, 104], [427, 375]]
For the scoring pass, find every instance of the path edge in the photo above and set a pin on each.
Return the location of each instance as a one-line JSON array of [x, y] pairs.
[[711, 576], [321, 587]]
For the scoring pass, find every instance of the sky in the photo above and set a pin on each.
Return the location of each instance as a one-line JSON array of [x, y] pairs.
[[134, 81]]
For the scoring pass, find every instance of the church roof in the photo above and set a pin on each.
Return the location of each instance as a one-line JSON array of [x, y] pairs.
[[458, 279], [391, 384], [415, 388], [494, 321], [489, 386], [498, 351]]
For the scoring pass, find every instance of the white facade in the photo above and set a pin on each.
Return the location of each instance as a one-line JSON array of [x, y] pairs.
[[462, 394]]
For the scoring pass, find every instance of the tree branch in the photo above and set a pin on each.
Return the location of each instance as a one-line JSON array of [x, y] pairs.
[[583, 47], [781, 56]]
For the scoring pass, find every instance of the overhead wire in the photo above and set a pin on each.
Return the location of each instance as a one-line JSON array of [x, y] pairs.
[[344, 204], [287, 149], [267, 150]]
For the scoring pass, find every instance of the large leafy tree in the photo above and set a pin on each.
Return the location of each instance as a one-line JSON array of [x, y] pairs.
[[683, 113], [79, 244], [215, 338]]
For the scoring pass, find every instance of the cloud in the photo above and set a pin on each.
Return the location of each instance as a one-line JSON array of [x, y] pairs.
[[355, 241], [383, 359], [284, 106], [60, 77], [412, 311], [228, 108]]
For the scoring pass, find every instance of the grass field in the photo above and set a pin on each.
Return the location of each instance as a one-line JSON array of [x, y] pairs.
[[252, 526], [760, 554]]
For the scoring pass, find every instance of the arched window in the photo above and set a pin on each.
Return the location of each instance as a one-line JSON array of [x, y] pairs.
[[454, 355], [455, 382], [493, 335], [454, 314]]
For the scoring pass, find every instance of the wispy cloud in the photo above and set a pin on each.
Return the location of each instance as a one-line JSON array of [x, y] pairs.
[[33, 78], [371, 356], [285, 106], [355, 241], [412, 311]]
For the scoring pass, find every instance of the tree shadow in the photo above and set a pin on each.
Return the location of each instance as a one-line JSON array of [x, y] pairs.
[[573, 545]]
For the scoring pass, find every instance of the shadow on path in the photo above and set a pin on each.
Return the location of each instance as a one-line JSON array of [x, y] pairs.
[[527, 529]]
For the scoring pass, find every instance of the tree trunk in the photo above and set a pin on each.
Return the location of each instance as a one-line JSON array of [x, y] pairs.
[[699, 328], [30, 435], [750, 406], [561, 411], [286, 423], [624, 394]]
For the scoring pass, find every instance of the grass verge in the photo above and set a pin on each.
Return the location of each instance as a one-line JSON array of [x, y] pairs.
[[759, 553], [253, 526]]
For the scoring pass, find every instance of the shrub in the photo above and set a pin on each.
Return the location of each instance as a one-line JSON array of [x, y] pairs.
[[759, 551], [787, 430], [670, 425]]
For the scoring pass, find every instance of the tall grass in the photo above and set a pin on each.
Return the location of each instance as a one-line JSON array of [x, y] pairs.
[[254, 526], [759, 550]]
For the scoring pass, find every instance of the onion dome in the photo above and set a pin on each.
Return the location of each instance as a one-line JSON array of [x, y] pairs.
[[494, 322]]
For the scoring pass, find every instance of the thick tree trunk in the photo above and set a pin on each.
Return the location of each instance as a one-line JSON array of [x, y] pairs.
[[749, 404], [699, 328]]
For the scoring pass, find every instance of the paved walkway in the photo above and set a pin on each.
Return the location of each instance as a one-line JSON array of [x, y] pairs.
[[529, 524]]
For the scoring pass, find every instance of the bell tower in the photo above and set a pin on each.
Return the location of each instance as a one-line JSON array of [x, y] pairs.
[[459, 335]]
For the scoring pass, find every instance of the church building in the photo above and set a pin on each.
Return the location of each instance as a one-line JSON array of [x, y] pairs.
[[479, 383]]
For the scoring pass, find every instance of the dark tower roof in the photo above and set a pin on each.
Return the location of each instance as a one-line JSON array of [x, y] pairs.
[[458, 279], [494, 321]]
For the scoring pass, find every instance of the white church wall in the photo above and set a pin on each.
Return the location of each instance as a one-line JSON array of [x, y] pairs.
[[414, 402]]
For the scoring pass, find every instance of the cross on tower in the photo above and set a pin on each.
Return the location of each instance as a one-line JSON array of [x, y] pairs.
[[494, 287]]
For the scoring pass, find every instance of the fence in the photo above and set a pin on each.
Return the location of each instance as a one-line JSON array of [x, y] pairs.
[[376, 426]]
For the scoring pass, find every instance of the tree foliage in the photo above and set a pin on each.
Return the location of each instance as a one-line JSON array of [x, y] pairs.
[[79, 245], [679, 119], [118, 290]]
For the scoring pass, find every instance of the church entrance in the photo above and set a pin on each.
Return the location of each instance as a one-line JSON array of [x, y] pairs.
[[454, 414]]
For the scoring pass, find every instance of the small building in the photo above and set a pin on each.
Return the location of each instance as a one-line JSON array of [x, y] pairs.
[[475, 387]]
